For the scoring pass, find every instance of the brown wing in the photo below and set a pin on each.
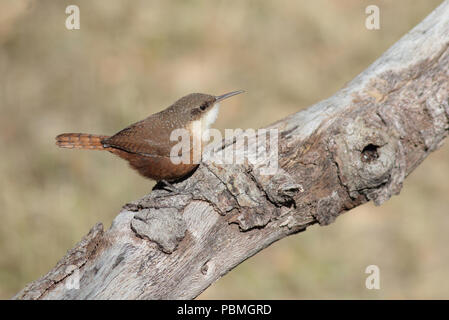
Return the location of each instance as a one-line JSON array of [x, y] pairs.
[[148, 137]]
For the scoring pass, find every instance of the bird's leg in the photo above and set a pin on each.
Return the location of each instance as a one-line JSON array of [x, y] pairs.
[[164, 184], [169, 187]]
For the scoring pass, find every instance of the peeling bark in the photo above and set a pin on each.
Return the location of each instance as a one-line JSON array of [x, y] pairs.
[[356, 146]]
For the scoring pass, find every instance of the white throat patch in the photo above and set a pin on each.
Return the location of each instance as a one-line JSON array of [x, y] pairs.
[[210, 117], [200, 126]]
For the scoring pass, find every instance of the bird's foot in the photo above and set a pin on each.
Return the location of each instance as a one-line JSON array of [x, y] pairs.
[[165, 185]]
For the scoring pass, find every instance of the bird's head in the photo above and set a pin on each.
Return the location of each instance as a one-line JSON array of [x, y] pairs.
[[201, 107]]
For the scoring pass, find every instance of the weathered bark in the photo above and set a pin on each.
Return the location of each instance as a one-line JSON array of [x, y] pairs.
[[357, 146]]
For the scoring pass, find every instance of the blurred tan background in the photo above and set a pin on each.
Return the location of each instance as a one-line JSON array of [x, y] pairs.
[[133, 58]]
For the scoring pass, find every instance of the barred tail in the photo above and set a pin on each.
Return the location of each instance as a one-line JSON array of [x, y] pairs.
[[81, 141]]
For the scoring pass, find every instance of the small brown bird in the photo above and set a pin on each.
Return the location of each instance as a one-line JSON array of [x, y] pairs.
[[146, 144]]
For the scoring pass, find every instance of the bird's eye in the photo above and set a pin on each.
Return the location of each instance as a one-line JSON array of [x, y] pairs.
[[203, 106]]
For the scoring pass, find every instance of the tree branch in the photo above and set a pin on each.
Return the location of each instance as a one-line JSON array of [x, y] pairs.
[[356, 146]]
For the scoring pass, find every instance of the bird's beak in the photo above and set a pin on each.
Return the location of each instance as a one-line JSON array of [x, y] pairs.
[[227, 95]]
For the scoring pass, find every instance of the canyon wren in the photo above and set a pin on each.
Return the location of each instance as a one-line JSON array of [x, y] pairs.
[[146, 144]]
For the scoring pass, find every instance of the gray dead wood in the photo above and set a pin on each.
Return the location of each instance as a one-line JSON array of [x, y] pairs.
[[356, 146]]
